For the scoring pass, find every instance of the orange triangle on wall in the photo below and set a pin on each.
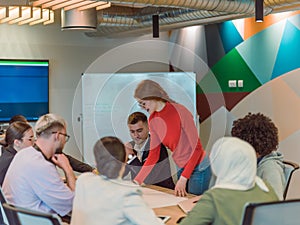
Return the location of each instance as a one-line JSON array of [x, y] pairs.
[[251, 27]]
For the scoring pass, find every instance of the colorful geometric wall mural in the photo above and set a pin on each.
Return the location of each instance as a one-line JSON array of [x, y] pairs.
[[267, 54]]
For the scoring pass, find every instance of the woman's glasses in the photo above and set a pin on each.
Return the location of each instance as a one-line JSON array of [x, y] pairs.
[[32, 139], [142, 104]]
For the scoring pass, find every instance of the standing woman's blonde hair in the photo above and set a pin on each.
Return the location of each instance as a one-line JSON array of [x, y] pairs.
[[149, 89]]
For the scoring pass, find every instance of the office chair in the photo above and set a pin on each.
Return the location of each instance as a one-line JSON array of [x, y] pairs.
[[2, 197], [3, 217], [23, 216], [272, 213], [289, 169]]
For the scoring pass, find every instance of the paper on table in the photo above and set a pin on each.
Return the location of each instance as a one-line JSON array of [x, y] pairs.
[[157, 199], [187, 205]]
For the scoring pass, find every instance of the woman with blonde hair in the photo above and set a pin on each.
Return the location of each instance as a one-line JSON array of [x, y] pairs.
[[172, 124]]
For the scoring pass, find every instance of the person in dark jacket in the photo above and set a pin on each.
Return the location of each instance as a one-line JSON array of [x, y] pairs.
[[138, 151], [19, 135]]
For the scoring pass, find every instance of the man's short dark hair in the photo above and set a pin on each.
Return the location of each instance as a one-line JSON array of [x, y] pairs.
[[135, 117]]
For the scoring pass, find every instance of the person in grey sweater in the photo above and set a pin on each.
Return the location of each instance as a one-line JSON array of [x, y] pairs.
[[259, 130]]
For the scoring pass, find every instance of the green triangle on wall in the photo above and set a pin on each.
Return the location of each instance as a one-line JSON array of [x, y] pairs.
[[230, 67]]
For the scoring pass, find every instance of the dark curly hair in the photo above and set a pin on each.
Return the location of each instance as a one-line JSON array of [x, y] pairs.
[[259, 131]]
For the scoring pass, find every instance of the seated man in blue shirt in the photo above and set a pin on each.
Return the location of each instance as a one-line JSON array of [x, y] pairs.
[[138, 151]]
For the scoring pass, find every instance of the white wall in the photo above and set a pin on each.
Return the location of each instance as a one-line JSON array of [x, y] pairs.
[[70, 53]]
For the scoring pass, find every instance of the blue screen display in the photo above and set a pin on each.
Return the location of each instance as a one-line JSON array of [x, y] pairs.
[[24, 88]]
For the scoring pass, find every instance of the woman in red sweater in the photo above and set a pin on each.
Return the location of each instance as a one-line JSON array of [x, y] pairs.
[[172, 124]]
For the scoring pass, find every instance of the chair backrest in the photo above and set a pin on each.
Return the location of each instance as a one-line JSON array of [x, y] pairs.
[[25, 216], [2, 197], [3, 218], [275, 213], [289, 169]]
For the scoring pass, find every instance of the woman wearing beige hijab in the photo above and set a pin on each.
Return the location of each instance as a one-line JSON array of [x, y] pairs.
[[233, 161]]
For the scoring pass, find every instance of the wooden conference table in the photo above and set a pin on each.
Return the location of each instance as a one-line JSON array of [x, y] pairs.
[[174, 211]]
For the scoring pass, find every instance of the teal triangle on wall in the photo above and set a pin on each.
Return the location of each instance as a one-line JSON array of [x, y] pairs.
[[288, 57], [229, 35], [260, 51]]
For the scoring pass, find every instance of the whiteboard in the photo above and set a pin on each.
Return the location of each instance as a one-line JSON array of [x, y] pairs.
[[107, 100]]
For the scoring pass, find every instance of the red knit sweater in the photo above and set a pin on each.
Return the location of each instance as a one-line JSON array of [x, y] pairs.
[[175, 128]]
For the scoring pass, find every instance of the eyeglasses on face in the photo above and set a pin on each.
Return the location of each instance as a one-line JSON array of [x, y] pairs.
[[66, 135], [32, 139], [141, 103]]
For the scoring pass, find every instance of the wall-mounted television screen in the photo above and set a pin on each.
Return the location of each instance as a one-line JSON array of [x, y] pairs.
[[24, 88]]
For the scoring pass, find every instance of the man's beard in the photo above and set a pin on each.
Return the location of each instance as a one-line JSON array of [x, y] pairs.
[[59, 150], [139, 141]]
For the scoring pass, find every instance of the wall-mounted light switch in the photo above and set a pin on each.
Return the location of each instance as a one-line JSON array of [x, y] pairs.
[[240, 83], [232, 83]]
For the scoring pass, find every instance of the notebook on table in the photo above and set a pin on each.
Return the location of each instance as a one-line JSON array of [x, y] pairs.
[[187, 205]]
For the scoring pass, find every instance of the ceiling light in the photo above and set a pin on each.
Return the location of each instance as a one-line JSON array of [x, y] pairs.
[[46, 16], [2, 12], [36, 14], [259, 10], [79, 20], [104, 6], [12, 12], [66, 3], [71, 4], [25, 15], [92, 5], [77, 5], [51, 20], [155, 25]]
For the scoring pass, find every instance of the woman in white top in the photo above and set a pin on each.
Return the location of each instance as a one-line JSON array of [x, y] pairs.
[[106, 198]]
